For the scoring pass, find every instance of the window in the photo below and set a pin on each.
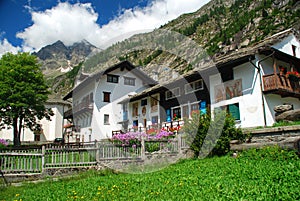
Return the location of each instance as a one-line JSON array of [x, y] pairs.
[[226, 74], [91, 98], [143, 102], [195, 107], [176, 113], [125, 111], [234, 110], [113, 78], [172, 93], [294, 50], [37, 138], [129, 81], [106, 97], [154, 104], [135, 123], [154, 119], [185, 111], [106, 119], [135, 109], [194, 86]]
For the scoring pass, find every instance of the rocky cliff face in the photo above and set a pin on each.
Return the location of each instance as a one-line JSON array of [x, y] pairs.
[[224, 26], [60, 64], [219, 27], [60, 58]]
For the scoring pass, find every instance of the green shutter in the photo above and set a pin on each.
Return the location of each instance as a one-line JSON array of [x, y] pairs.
[[234, 111]]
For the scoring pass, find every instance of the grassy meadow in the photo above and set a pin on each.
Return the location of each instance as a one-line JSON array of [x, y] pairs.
[[268, 174]]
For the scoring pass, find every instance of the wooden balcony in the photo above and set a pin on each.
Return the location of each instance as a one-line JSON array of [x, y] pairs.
[[281, 85]]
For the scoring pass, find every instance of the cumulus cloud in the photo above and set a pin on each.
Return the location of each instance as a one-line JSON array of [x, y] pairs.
[[65, 22], [72, 23], [5, 47]]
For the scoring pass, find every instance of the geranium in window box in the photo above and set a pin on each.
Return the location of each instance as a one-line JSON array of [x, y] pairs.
[[293, 76]]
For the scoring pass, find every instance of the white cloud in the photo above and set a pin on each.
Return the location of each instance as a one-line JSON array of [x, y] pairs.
[[5, 47], [65, 22], [73, 23]]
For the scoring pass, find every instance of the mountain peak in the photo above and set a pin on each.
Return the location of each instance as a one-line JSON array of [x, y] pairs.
[[58, 56]]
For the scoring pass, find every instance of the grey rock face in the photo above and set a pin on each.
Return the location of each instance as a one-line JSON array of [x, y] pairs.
[[291, 115], [283, 108]]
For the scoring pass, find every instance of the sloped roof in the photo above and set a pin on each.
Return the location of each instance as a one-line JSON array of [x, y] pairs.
[[122, 65], [256, 47], [51, 101]]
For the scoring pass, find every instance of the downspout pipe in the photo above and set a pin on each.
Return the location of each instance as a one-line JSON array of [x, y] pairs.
[[260, 80]]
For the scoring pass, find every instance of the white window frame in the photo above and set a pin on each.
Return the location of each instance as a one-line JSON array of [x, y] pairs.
[[192, 87], [174, 108], [170, 93], [130, 81], [106, 119], [188, 110]]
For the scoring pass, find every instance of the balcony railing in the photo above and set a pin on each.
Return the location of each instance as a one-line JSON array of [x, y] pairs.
[[173, 126], [83, 107], [281, 85]]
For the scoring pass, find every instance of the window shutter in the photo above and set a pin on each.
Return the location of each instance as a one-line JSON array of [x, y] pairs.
[[234, 111], [169, 118]]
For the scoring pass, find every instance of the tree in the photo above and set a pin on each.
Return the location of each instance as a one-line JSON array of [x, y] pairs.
[[199, 138], [23, 93]]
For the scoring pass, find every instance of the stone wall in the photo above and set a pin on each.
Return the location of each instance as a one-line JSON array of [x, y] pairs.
[[287, 137]]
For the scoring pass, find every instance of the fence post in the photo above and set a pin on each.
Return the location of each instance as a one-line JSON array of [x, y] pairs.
[[143, 148], [43, 158], [97, 145], [179, 143]]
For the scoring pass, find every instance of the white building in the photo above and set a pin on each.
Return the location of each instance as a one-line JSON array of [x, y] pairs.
[[96, 112], [249, 85], [252, 82], [50, 129]]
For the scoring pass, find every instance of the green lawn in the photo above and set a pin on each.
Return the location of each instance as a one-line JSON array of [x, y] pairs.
[[270, 174]]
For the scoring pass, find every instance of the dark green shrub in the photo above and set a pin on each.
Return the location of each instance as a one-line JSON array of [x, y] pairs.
[[210, 137]]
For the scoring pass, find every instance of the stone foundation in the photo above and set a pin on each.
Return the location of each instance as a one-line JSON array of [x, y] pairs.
[[287, 137]]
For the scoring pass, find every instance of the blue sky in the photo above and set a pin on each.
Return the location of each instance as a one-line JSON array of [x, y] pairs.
[[28, 25]]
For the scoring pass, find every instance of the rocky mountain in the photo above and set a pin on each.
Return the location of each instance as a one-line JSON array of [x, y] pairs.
[[60, 64], [219, 27], [60, 58], [223, 26]]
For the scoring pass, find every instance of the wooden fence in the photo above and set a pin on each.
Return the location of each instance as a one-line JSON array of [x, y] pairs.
[[36, 161]]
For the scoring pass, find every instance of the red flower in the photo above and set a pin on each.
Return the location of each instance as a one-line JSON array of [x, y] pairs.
[[293, 73]]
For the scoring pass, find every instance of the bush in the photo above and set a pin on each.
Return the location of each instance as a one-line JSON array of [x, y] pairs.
[[152, 147], [210, 137]]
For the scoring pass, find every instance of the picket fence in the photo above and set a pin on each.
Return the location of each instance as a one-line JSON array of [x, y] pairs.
[[37, 161]]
